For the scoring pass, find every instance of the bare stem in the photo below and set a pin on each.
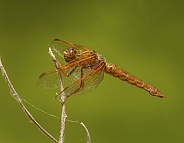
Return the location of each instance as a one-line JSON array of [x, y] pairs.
[[19, 100], [63, 120], [63, 99]]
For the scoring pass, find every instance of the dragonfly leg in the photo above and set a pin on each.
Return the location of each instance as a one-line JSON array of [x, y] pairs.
[[61, 69], [71, 71], [81, 83]]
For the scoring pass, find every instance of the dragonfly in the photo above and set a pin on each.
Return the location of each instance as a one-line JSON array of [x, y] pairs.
[[84, 70]]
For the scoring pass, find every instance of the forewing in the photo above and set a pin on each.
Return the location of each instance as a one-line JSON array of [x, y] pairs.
[[59, 46], [51, 79]]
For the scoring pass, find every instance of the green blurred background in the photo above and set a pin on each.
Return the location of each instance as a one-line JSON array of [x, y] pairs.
[[146, 38]]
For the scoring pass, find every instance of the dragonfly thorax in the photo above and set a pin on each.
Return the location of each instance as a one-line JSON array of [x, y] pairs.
[[70, 54]]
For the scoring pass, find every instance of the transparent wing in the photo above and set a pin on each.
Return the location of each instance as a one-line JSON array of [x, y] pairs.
[[81, 81], [88, 82], [59, 46], [49, 80]]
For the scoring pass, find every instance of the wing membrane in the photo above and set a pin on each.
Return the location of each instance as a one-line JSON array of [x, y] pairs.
[[49, 80], [59, 46], [89, 82]]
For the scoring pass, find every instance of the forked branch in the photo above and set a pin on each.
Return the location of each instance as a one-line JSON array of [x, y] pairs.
[[63, 99]]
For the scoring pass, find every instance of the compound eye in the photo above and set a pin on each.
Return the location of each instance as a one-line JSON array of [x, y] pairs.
[[73, 51]]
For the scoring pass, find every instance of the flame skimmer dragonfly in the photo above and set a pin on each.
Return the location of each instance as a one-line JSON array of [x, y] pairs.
[[84, 70]]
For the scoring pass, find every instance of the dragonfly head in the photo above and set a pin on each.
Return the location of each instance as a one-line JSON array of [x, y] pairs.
[[70, 54]]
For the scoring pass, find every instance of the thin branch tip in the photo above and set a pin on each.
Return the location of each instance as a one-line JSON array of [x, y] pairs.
[[88, 134]]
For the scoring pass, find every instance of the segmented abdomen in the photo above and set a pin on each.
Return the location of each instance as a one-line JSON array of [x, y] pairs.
[[118, 72]]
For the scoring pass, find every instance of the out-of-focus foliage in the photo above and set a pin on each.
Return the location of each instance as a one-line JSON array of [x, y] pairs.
[[143, 37]]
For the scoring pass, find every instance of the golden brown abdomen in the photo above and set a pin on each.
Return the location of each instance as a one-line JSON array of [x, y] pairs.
[[118, 72]]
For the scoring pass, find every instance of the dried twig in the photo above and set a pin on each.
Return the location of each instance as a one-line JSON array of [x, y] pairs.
[[19, 100], [85, 128], [63, 119], [63, 99]]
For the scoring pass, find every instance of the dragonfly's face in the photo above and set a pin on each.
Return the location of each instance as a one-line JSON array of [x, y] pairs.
[[70, 54]]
